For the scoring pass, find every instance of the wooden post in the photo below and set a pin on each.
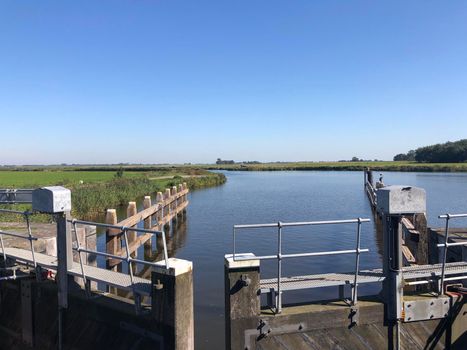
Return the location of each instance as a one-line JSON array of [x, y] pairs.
[[181, 200], [173, 192], [159, 200], [112, 241], [167, 210], [132, 235], [185, 197], [147, 225]]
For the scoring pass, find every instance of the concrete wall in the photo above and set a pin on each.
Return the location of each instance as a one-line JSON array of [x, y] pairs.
[[326, 325], [100, 323], [29, 316]]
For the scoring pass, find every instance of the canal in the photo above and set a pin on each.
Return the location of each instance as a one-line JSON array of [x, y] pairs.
[[261, 197], [266, 197]]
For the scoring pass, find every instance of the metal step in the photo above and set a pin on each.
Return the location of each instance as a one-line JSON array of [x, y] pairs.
[[364, 276], [115, 279]]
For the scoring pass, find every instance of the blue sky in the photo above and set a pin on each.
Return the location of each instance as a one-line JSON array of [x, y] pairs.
[[189, 81]]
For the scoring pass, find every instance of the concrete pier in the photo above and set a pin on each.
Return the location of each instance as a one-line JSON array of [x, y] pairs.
[[172, 303], [242, 300], [416, 309]]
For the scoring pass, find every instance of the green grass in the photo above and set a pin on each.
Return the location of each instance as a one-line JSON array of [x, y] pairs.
[[357, 166], [23, 179], [95, 191]]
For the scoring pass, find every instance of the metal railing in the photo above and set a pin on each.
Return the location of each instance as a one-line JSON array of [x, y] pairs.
[[29, 237], [446, 245], [128, 259], [279, 256]]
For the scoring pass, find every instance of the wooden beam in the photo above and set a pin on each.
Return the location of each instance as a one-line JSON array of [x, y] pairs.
[[133, 220]]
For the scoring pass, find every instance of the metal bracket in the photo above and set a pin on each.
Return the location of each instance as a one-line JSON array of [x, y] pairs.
[[426, 309], [245, 280], [353, 316], [158, 285], [263, 328]]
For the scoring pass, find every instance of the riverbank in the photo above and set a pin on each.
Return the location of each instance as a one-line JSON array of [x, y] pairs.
[[94, 191], [403, 166]]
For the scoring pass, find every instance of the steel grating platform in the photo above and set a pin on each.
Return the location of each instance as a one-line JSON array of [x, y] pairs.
[[364, 276], [116, 279], [321, 280], [425, 271]]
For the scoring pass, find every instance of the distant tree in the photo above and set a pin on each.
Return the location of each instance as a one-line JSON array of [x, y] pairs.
[[355, 159], [449, 152], [119, 173], [411, 155], [400, 157]]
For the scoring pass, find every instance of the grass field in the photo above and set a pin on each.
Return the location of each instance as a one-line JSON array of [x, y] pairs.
[[95, 191], [388, 166], [71, 177]]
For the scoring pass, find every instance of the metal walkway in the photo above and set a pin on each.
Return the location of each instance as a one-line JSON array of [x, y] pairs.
[[115, 279], [364, 276]]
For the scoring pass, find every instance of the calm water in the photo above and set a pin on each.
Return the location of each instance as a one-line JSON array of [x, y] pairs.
[[265, 197]]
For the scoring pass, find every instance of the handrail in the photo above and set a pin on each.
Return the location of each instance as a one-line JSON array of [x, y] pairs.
[[446, 245], [279, 256], [128, 259], [29, 237]]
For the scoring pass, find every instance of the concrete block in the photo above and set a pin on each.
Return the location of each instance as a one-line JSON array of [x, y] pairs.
[[242, 298], [172, 303], [231, 264], [53, 199], [176, 267], [401, 200]]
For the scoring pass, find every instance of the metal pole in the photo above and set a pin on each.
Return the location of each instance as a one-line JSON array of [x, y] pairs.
[[233, 234], [128, 260], [3, 249], [166, 256], [65, 263], [357, 262], [30, 238], [445, 251], [279, 268], [81, 260]]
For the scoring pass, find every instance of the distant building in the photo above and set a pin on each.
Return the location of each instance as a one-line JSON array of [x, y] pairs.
[[220, 161]]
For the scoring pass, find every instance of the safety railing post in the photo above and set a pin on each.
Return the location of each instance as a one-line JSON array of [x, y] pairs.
[[31, 245], [279, 268], [78, 249], [233, 234], [3, 250], [357, 263], [164, 243], [130, 267], [445, 251]]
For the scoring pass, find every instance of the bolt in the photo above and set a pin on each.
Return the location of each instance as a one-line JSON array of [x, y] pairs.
[[409, 305]]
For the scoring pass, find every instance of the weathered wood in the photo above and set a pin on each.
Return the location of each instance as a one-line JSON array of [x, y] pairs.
[[166, 208], [407, 254], [147, 205], [133, 220], [112, 240], [408, 225], [159, 201]]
